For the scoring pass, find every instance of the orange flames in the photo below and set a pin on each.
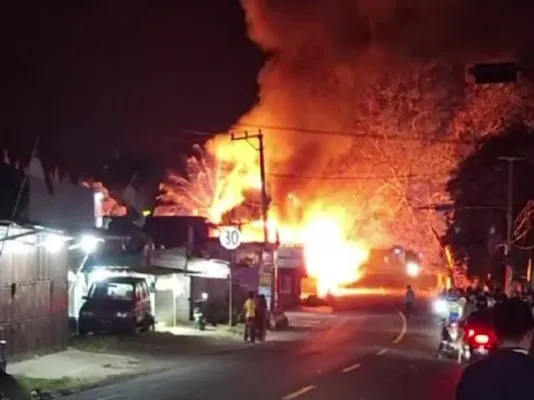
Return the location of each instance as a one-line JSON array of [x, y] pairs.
[[368, 111], [331, 258]]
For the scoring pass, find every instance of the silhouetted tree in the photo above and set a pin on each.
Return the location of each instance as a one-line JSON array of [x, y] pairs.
[[478, 188]]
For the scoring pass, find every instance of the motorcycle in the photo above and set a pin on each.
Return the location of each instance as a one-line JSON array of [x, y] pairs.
[[452, 344], [199, 316], [479, 344]]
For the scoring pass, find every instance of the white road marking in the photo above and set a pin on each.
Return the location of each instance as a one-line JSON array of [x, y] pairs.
[[351, 368], [381, 352], [403, 329], [299, 392]]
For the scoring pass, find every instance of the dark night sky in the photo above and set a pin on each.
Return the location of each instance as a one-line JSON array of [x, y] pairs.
[[88, 77]]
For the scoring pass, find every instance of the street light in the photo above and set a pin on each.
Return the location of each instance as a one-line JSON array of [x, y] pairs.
[[53, 242], [89, 243], [412, 269]]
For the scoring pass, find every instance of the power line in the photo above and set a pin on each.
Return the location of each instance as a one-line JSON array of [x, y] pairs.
[[317, 132], [363, 135], [352, 178]]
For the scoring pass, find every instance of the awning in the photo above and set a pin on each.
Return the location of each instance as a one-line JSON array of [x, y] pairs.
[[176, 259], [208, 268], [165, 261]]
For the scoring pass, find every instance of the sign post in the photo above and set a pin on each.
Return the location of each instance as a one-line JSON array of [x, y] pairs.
[[230, 239]]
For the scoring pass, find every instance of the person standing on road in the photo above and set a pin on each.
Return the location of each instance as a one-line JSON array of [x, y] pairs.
[[250, 309], [409, 300], [509, 371]]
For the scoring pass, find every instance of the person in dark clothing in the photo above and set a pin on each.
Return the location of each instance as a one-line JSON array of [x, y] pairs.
[[508, 372], [261, 317]]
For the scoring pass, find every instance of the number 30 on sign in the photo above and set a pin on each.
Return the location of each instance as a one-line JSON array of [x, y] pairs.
[[230, 237]]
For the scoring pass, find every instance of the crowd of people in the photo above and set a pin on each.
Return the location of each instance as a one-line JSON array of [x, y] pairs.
[[508, 370]]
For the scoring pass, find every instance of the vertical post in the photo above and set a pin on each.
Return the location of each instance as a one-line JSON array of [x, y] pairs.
[[264, 211], [509, 215], [231, 289], [174, 303], [509, 223], [265, 216], [509, 206], [264, 199]]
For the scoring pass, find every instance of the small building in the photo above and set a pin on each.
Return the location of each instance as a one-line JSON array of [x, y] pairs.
[[39, 215]]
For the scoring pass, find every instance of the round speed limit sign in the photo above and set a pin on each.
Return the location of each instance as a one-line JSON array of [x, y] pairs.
[[230, 237]]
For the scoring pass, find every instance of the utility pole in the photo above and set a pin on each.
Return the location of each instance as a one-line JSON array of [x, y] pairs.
[[264, 207], [509, 222]]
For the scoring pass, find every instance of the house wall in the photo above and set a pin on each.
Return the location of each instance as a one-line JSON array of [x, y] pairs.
[[169, 287], [33, 296]]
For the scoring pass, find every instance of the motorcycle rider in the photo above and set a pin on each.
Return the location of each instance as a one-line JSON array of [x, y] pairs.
[[481, 316], [470, 306], [454, 314]]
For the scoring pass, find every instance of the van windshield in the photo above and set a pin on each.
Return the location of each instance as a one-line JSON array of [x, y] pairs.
[[112, 291]]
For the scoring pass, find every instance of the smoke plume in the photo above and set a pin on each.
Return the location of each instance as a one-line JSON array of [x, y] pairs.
[[378, 68]]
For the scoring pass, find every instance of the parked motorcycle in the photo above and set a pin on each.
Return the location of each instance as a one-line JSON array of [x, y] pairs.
[[199, 312]]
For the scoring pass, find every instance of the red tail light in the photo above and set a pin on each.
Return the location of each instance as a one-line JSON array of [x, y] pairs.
[[470, 333], [482, 339]]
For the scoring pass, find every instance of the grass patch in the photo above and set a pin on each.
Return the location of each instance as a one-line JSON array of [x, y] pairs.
[[152, 343], [64, 384], [95, 344]]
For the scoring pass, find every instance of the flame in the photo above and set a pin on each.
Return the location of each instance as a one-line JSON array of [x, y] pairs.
[[215, 182], [330, 258]]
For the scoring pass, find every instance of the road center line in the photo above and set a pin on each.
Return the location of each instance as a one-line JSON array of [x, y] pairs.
[[299, 392], [381, 352], [351, 368], [403, 329]]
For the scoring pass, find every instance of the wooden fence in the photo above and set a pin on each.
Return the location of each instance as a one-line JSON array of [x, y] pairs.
[[33, 297]]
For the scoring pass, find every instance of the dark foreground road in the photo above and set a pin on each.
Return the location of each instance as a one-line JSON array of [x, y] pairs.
[[363, 350]]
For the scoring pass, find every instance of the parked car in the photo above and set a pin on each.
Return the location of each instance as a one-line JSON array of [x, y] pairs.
[[117, 304]]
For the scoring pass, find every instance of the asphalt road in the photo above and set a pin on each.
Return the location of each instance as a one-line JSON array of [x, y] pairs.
[[363, 349]]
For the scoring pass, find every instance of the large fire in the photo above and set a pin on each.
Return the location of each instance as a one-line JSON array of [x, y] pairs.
[[215, 185], [331, 257], [376, 92]]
